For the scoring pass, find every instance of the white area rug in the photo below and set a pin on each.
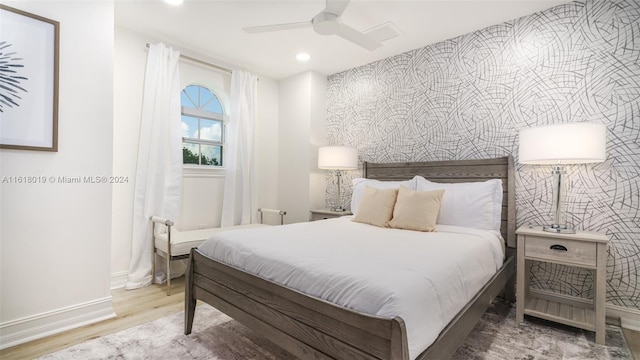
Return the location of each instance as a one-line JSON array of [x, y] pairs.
[[216, 336]]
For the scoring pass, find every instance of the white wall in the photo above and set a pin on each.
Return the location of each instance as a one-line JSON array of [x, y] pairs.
[[302, 116], [55, 238], [202, 189]]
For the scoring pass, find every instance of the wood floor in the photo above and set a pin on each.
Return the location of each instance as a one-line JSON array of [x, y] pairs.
[[135, 307], [132, 307]]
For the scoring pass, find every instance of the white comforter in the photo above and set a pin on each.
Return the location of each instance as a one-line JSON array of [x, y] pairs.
[[425, 278]]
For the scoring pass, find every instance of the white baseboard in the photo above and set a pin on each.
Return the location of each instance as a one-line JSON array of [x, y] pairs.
[[119, 279], [629, 318], [34, 327]]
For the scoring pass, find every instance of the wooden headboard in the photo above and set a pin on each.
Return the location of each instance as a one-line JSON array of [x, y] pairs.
[[459, 171]]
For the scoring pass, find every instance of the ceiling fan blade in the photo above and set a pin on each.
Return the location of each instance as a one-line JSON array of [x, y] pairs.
[[357, 37], [336, 7], [277, 27]]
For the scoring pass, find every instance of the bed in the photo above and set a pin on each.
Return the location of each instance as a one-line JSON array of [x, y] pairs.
[[312, 328]]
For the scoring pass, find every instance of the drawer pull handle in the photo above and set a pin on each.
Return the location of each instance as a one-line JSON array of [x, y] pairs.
[[558, 247]]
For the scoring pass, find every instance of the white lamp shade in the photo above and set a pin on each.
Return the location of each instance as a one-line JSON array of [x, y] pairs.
[[337, 158], [577, 143]]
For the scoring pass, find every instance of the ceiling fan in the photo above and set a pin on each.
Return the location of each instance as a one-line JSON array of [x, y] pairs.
[[327, 22]]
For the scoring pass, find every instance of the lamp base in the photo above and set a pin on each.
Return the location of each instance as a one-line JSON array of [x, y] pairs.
[[560, 229]]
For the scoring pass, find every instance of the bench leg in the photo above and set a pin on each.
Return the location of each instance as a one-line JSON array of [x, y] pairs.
[[153, 265], [168, 275]]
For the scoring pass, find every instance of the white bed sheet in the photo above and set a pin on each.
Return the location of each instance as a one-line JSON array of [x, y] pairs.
[[425, 278]]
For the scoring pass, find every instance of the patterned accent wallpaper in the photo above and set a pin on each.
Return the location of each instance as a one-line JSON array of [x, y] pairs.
[[468, 97]]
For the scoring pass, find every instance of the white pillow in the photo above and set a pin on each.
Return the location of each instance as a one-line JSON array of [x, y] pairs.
[[360, 183], [473, 204]]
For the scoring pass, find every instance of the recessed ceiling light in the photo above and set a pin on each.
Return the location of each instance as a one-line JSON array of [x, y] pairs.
[[174, 2], [303, 57]]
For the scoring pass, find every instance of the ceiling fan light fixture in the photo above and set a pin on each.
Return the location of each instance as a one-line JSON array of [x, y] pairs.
[[326, 24], [303, 56]]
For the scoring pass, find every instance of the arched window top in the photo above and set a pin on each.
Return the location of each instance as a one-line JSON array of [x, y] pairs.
[[201, 98]]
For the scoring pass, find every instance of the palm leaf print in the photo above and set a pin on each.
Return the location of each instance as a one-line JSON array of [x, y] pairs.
[[9, 78]]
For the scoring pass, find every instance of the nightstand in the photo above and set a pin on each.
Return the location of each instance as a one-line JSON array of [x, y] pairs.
[[326, 214], [583, 249]]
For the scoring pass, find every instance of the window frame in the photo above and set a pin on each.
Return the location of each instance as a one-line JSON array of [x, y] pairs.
[[201, 114]]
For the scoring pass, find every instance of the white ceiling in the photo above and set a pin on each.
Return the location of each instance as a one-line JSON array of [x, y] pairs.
[[214, 28]]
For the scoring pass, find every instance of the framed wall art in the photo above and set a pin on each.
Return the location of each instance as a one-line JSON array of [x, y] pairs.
[[29, 52]]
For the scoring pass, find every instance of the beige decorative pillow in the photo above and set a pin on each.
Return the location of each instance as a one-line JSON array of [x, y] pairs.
[[416, 210], [376, 206]]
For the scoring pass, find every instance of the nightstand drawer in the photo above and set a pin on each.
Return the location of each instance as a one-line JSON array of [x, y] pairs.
[[568, 251], [315, 215]]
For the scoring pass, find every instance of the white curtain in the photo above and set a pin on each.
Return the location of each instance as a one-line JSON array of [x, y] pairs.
[[158, 183], [240, 185]]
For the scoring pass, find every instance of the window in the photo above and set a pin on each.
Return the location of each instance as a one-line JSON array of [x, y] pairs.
[[202, 127]]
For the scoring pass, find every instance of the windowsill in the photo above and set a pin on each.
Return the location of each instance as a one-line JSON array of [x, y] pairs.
[[206, 171]]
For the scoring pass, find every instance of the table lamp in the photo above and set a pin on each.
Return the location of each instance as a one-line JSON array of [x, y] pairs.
[[559, 145], [337, 158]]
